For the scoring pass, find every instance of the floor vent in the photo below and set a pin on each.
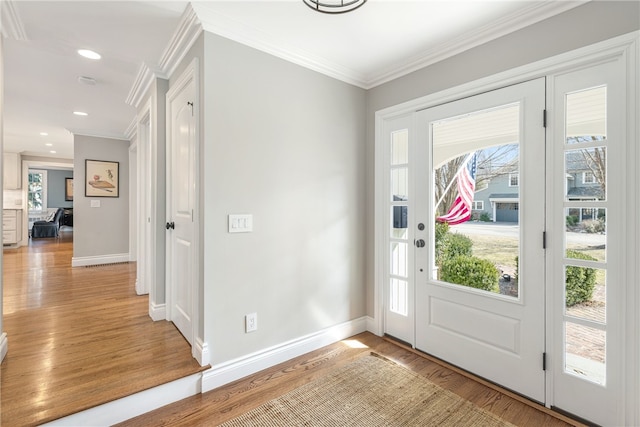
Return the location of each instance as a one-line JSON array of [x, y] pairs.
[[107, 265]]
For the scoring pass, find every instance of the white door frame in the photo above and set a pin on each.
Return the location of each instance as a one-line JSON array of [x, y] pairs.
[[134, 207], [190, 74], [626, 47]]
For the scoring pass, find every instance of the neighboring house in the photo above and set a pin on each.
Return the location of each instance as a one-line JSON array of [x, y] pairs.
[[499, 198]]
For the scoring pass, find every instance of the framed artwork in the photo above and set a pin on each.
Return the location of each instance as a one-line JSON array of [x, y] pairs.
[[68, 189], [102, 178]]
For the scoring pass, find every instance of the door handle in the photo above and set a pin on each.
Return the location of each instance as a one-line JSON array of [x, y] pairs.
[[420, 243], [170, 225]]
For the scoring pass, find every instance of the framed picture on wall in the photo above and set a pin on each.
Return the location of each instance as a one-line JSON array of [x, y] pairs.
[[68, 189], [102, 178]]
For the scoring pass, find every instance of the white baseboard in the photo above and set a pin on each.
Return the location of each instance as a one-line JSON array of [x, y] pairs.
[[157, 311], [200, 351], [98, 260], [128, 407], [232, 370], [373, 326], [4, 346]]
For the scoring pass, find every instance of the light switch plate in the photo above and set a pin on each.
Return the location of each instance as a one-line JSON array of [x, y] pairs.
[[95, 203], [240, 223]]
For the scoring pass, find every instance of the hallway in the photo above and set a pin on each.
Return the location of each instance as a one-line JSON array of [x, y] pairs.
[[78, 337]]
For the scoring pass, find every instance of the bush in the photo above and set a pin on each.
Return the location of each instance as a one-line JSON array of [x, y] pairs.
[[485, 217], [449, 245], [572, 220], [580, 281], [593, 226], [470, 271]]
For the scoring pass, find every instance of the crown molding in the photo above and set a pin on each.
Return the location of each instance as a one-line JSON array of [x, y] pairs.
[[183, 38], [141, 85], [537, 12], [189, 28], [218, 23], [12, 27], [93, 134], [215, 22]]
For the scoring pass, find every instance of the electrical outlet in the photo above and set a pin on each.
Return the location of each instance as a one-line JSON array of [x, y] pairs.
[[251, 322]]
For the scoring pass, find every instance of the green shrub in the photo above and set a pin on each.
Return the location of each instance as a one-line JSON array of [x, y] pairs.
[[470, 271], [572, 220], [485, 217], [457, 245], [580, 281]]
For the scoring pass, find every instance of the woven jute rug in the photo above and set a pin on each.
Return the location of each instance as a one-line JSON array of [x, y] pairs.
[[370, 391]]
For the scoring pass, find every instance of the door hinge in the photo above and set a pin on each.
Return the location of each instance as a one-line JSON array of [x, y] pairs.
[[544, 361], [544, 118], [544, 240]]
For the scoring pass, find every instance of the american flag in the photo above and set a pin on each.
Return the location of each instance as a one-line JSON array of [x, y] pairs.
[[460, 210]]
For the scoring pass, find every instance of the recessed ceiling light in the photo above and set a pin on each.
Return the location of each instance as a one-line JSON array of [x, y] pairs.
[[89, 54], [52, 152], [49, 145], [44, 133], [80, 113]]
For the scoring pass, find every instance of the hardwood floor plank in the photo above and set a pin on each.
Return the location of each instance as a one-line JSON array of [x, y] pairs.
[[227, 402], [78, 337]]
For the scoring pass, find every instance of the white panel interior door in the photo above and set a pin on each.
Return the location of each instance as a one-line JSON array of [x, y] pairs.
[[493, 328], [181, 251]]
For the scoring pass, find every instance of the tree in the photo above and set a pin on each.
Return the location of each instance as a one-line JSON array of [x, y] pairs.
[[491, 162]]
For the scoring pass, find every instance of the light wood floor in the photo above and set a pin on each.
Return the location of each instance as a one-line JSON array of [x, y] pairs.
[[78, 337], [230, 401]]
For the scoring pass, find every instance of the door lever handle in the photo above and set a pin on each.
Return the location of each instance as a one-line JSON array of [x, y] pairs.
[[170, 225]]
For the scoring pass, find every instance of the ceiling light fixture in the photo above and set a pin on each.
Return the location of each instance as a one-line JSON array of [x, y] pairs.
[[49, 145], [334, 6], [80, 113], [52, 152], [89, 54], [44, 134]]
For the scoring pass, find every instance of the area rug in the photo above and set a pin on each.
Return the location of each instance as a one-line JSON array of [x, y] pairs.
[[370, 391]]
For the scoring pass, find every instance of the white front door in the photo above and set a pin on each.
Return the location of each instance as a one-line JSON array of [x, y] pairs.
[[181, 204], [480, 284], [588, 213]]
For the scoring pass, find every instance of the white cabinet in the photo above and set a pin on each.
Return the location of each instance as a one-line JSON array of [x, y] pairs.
[[11, 226], [12, 169]]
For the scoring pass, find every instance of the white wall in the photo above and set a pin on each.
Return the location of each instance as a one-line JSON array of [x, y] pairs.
[[285, 144], [584, 25], [100, 233]]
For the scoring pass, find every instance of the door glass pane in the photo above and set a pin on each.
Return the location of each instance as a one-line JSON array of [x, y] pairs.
[[586, 115], [400, 147], [586, 174], [399, 184], [398, 297], [477, 200], [586, 233], [585, 350], [399, 259], [399, 218], [586, 293]]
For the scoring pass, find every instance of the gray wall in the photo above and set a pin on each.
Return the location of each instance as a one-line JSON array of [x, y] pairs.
[[587, 24], [56, 188], [287, 145], [105, 230]]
